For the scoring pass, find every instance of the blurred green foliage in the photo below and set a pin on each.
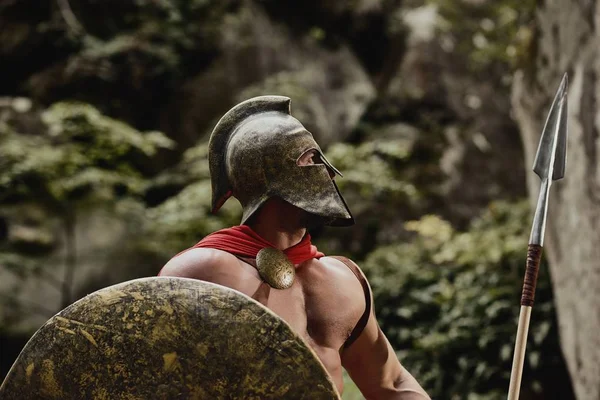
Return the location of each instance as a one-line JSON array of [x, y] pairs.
[[153, 37], [183, 219], [59, 162], [77, 153], [387, 180], [493, 35], [448, 301]]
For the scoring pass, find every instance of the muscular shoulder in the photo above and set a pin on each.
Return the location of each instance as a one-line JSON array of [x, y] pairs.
[[198, 263], [343, 268], [334, 277]]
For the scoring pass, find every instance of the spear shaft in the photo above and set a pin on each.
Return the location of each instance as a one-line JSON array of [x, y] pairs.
[[549, 165]]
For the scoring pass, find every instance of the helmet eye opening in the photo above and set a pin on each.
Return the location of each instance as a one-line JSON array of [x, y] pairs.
[[309, 157], [312, 157]]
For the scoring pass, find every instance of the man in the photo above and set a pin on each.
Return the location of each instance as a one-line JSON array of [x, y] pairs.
[[265, 158]]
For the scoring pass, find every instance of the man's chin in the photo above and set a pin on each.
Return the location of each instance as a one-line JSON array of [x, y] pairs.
[[315, 222]]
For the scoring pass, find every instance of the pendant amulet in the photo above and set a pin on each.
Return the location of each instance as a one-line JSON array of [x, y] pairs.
[[275, 268]]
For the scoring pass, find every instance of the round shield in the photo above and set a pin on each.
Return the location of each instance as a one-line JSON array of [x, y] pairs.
[[167, 338]]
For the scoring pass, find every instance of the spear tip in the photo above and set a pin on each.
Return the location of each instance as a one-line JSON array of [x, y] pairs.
[[564, 85], [550, 160]]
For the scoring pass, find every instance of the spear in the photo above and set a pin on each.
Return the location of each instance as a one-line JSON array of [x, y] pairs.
[[549, 165]]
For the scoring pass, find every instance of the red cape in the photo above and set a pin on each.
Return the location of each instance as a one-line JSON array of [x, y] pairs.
[[242, 241]]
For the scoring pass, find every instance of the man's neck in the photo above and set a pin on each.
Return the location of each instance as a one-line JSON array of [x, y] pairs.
[[279, 223], [280, 237]]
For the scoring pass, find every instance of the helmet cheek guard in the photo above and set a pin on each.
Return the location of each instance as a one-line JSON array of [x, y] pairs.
[[253, 156]]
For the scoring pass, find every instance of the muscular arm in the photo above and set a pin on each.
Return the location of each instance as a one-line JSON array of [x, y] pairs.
[[374, 367]]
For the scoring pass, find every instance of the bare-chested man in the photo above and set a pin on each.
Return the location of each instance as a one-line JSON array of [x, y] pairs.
[[265, 158]]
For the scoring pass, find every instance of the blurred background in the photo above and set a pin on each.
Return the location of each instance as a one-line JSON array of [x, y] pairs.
[[432, 109]]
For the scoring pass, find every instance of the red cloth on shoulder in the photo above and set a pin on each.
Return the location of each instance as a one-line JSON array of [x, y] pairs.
[[242, 241]]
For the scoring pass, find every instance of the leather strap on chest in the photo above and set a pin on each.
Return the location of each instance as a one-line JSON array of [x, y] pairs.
[[362, 322]]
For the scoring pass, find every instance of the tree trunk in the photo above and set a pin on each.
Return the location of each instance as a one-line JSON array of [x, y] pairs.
[[567, 41]]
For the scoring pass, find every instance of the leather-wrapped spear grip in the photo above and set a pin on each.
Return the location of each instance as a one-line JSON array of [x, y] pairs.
[[549, 165], [534, 256]]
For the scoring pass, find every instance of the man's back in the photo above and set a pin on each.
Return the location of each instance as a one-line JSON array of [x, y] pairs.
[[323, 306]]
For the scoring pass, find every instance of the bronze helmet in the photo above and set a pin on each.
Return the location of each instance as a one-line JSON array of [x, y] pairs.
[[253, 156]]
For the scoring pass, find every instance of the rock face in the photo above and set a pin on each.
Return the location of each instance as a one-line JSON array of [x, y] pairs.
[[481, 151], [35, 286], [259, 56], [568, 41]]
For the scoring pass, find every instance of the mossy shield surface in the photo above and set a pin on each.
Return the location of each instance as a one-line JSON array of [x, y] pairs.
[[167, 338]]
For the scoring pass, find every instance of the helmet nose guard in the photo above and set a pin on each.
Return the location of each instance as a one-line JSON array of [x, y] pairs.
[[253, 153]]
